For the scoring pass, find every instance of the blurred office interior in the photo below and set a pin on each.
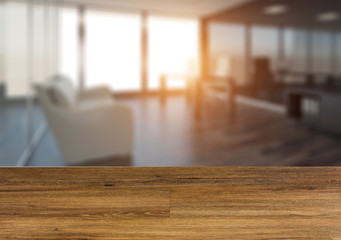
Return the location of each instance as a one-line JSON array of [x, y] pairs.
[[170, 83]]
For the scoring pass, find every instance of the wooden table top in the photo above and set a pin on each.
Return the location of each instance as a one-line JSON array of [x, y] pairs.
[[170, 203]]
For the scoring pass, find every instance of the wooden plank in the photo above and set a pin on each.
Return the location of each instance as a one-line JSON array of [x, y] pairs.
[[170, 203]]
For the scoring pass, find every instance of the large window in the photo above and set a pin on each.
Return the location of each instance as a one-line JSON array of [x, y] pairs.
[[173, 49], [265, 44], [337, 55], [322, 52], [227, 51], [68, 57], [299, 53], [16, 50], [113, 50]]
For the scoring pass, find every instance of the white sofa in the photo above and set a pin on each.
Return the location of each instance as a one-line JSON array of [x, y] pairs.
[[87, 124]]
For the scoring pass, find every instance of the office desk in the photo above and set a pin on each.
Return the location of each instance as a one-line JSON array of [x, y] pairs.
[[323, 110], [170, 203]]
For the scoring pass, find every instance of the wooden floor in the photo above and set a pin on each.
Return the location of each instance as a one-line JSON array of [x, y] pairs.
[[169, 135], [170, 203], [258, 137]]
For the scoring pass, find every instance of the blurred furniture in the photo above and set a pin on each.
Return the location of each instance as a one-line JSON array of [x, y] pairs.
[[218, 88], [266, 84], [190, 81], [220, 85], [263, 76], [88, 124], [2, 91], [316, 108]]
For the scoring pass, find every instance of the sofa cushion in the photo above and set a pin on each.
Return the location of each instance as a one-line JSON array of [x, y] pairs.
[[94, 103], [61, 92]]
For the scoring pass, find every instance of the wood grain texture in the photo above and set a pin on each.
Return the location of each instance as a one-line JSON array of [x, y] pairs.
[[170, 203]]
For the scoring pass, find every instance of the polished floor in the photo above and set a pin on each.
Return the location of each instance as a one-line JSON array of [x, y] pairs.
[[14, 131], [169, 135]]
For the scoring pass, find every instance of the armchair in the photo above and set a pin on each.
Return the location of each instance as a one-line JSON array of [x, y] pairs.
[[87, 124]]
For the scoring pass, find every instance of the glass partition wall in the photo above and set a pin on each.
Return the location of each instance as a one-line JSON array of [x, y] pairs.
[[28, 54], [14, 85], [227, 43], [293, 49]]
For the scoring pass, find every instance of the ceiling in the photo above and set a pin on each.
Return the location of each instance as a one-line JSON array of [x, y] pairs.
[[300, 14], [190, 7]]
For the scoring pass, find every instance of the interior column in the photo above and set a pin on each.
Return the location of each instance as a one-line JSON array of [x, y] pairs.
[[144, 51], [81, 39], [248, 53]]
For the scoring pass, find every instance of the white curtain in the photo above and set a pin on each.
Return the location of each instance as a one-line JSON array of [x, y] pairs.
[[43, 51]]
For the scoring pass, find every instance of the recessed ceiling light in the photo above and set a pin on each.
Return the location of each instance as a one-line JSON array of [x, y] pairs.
[[275, 9], [328, 17]]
